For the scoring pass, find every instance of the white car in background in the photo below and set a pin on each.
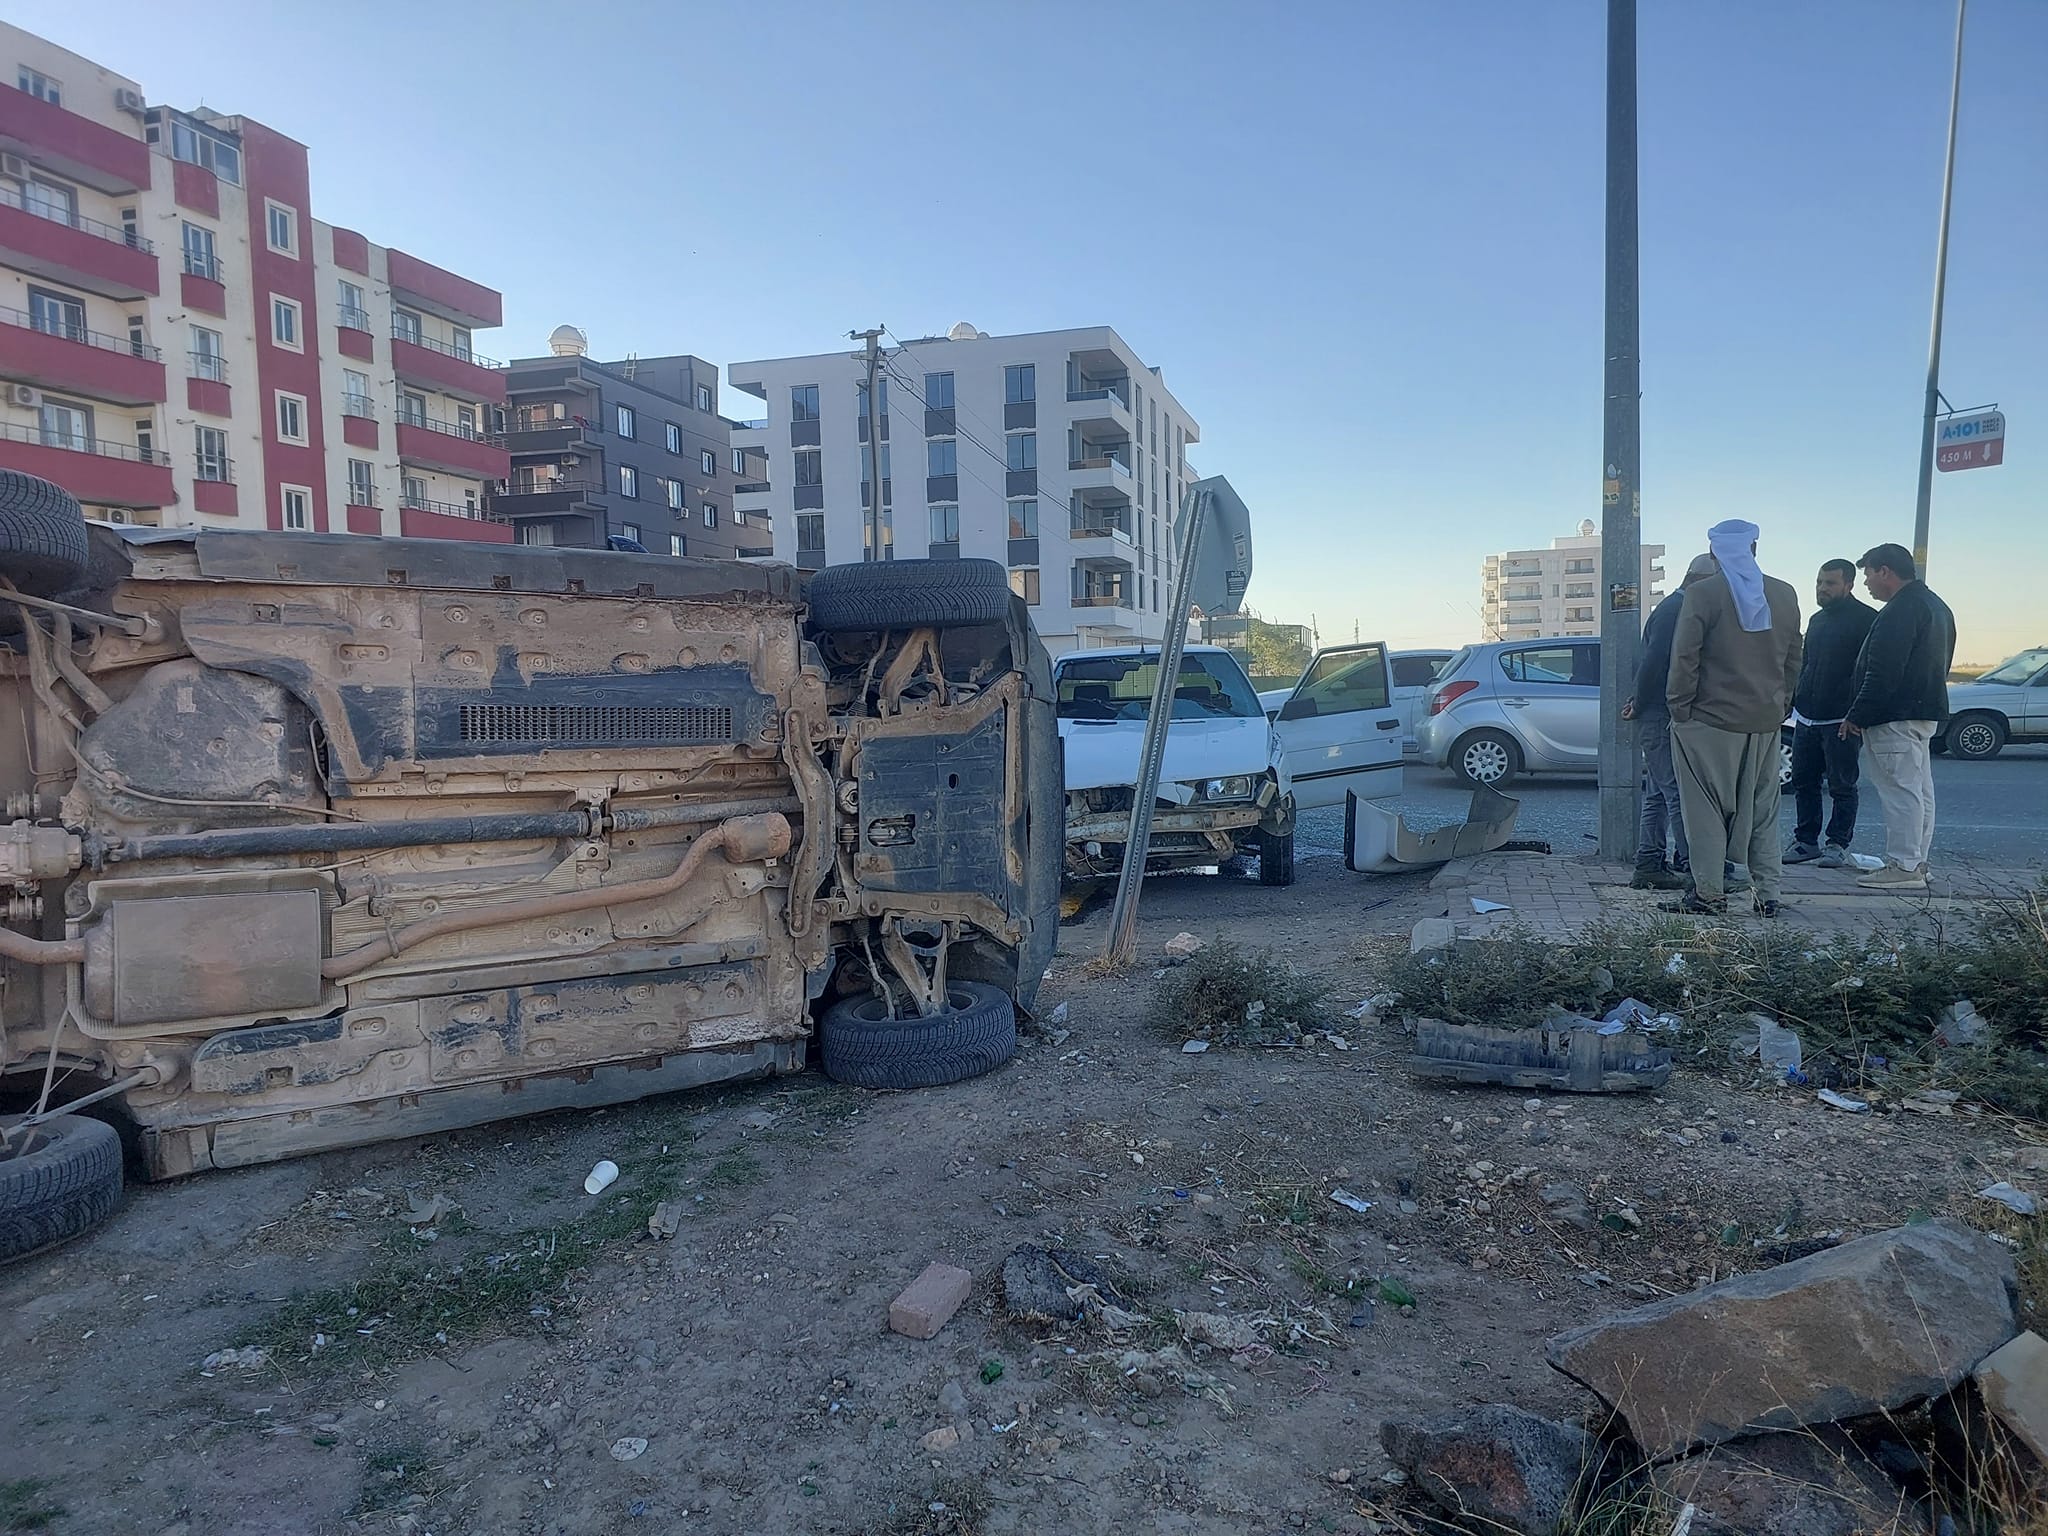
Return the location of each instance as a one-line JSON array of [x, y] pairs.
[[1234, 778], [1415, 672], [2008, 703]]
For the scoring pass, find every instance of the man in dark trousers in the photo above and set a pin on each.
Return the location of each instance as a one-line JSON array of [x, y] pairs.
[[1899, 699], [1655, 870], [1820, 752]]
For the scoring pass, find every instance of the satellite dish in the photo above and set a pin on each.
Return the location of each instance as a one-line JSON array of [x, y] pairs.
[[567, 341], [962, 332], [1587, 528]]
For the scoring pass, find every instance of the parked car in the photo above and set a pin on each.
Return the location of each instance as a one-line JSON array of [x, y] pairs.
[[1511, 707], [319, 840], [1233, 778], [1415, 673], [2008, 703]]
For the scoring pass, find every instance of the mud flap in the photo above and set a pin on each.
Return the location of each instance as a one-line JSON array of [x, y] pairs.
[[1380, 841]]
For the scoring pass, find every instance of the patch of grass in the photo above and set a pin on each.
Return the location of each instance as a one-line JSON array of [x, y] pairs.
[[1231, 996], [737, 1169], [23, 1506], [390, 1473], [948, 1507]]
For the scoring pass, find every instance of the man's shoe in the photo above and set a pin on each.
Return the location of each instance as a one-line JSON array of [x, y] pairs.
[[1893, 878], [1802, 853], [1769, 908], [1655, 877], [1834, 856], [1693, 906]]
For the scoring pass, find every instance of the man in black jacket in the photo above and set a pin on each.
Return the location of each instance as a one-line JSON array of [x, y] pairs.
[[1899, 697], [1820, 751], [1647, 707]]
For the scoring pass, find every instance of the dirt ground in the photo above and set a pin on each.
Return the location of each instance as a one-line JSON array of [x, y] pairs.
[[497, 1357]]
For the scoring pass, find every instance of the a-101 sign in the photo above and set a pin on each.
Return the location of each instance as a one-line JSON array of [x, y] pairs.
[[1975, 441]]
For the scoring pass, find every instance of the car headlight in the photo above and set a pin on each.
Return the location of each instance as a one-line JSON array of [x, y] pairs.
[[1238, 787]]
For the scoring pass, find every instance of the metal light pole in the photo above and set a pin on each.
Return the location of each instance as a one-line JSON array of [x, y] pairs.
[[1924, 504], [1621, 535]]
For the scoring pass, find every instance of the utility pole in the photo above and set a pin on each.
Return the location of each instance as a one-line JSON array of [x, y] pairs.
[[873, 339], [1923, 506], [1621, 534]]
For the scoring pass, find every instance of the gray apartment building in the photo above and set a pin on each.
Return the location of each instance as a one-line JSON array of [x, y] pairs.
[[634, 450]]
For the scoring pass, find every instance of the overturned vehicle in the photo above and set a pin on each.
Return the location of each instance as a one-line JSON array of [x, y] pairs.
[[317, 840]]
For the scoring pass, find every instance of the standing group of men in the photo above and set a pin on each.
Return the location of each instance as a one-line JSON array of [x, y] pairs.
[[1723, 666]]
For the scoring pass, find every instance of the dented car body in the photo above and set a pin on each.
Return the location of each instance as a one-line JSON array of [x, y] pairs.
[[317, 840]]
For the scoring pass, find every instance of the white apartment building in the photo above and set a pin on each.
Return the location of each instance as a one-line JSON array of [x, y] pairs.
[[1058, 454], [1527, 594]]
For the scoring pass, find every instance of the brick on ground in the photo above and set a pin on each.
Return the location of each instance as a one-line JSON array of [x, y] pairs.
[[929, 1301]]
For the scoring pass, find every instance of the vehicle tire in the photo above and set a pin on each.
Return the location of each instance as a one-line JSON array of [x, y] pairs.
[[908, 594], [1276, 857], [1784, 762], [1975, 736], [976, 1033], [1491, 758], [42, 534], [66, 1181]]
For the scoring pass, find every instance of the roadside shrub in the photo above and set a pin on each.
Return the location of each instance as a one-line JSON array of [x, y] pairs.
[[1230, 996]]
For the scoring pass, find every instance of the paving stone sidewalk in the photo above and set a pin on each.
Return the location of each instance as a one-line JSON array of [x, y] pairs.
[[1555, 895]]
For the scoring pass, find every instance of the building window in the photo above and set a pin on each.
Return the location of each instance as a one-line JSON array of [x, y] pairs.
[[350, 306], [739, 462], [199, 257], [281, 228], [630, 531], [867, 463], [196, 146], [298, 507], [291, 418], [810, 467], [860, 399], [810, 532], [675, 545], [867, 534], [803, 402], [625, 420], [207, 362], [50, 200], [938, 391], [405, 325], [946, 524], [65, 424], [629, 481], [1022, 448], [672, 437], [210, 453], [675, 494], [458, 342], [1025, 585], [355, 393], [56, 314], [1020, 383], [707, 460], [704, 401], [710, 514], [942, 457], [1023, 519], [40, 86], [362, 488], [412, 408], [284, 323], [465, 422]]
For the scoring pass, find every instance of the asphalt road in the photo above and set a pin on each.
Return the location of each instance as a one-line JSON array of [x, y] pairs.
[[1991, 813]]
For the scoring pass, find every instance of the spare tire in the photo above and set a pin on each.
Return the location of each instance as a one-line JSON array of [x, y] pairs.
[[975, 1033], [908, 594], [42, 534], [63, 1179]]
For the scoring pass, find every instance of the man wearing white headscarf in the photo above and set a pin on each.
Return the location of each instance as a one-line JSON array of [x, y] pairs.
[[1734, 666]]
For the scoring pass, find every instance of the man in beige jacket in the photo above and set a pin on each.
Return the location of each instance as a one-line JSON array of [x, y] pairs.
[[1734, 667]]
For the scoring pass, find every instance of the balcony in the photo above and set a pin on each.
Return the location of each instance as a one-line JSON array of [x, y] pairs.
[[213, 485], [422, 285], [548, 435], [452, 448], [1101, 407], [419, 518], [71, 249], [1089, 523], [1103, 472], [76, 148], [446, 367], [77, 361], [353, 336], [546, 498], [97, 472]]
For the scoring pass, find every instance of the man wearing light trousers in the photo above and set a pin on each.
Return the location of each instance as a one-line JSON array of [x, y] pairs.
[[1734, 666]]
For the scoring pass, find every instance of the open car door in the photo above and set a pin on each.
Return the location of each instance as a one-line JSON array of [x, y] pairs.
[[1340, 729]]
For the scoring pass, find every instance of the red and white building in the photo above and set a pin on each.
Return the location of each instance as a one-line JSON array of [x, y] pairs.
[[183, 344]]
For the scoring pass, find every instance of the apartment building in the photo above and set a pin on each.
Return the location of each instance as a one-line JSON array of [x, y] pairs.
[[634, 450], [1525, 594], [183, 343], [1058, 454]]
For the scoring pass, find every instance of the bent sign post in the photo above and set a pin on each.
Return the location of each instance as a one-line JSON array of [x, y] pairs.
[[1972, 441]]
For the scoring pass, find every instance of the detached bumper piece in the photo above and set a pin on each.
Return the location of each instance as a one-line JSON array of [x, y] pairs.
[[1564, 1058], [1380, 841]]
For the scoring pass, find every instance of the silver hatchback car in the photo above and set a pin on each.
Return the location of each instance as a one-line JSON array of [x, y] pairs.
[[1514, 706]]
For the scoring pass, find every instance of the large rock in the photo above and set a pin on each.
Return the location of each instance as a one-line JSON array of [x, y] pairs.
[[1800, 1483], [1510, 1468], [1874, 1324]]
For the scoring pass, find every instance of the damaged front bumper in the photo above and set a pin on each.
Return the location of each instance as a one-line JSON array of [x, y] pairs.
[[1380, 841]]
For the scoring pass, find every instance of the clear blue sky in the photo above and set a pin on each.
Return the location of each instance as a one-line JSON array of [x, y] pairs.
[[1363, 239]]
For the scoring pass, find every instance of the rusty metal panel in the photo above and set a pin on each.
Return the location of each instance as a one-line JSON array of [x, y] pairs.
[[197, 957]]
